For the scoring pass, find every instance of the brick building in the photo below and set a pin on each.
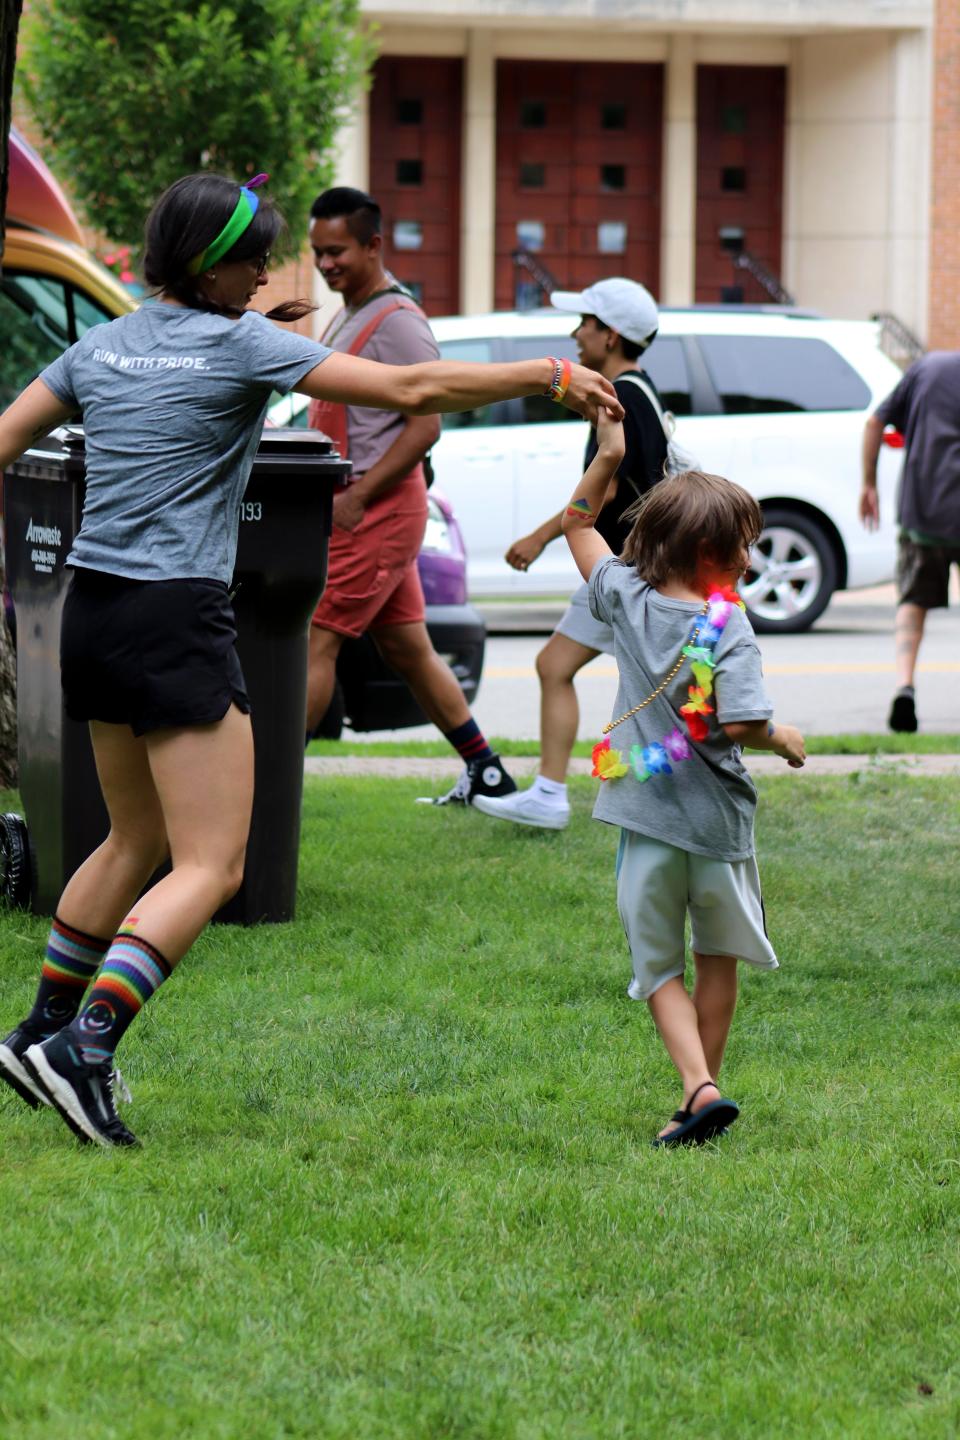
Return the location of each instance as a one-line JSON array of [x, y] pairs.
[[692, 144]]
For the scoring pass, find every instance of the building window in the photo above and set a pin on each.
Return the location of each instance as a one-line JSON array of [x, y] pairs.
[[533, 177], [407, 235], [733, 177], [416, 289], [533, 114], [733, 119], [409, 112], [612, 237], [409, 172], [531, 234], [613, 177], [613, 117]]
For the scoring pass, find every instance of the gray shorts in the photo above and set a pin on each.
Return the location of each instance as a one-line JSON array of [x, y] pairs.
[[923, 573], [578, 624], [658, 885]]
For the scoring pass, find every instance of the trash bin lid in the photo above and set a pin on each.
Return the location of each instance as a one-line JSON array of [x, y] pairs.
[[290, 443]]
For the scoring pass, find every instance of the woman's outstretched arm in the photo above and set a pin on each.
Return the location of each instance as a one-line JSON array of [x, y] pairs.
[[437, 386], [35, 411]]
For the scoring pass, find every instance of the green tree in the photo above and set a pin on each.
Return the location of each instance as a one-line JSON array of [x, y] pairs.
[[130, 96]]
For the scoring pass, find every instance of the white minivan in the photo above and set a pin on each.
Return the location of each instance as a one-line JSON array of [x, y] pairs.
[[774, 399]]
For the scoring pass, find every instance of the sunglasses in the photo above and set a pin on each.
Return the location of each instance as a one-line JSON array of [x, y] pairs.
[[262, 264]]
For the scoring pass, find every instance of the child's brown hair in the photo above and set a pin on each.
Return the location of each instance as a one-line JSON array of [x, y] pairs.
[[680, 516]]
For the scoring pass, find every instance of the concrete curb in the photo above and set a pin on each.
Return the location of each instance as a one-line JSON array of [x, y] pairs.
[[521, 766]]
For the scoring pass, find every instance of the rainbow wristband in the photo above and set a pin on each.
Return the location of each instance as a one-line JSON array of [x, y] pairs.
[[562, 373]]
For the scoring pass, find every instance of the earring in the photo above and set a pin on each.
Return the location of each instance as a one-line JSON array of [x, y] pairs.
[[211, 275]]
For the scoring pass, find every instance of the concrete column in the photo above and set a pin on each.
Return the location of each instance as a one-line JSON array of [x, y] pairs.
[[351, 166], [478, 183], [908, 226], [679, 222]]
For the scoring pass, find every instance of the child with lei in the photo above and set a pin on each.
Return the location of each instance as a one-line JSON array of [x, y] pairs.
[[691, 695]]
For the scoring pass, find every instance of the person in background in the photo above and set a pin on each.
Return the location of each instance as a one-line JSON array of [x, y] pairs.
[[925, 407], [618, 321], [373, 584]]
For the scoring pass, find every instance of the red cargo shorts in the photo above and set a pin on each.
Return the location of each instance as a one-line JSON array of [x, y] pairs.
[[372, 577]]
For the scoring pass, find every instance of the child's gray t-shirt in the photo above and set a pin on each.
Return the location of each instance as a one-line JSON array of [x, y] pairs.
[[705, 803], [173, 403]]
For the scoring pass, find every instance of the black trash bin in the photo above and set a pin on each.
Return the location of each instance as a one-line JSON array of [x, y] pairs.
[[280, 573]]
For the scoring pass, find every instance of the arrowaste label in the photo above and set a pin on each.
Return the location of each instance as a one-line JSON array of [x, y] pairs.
[[45, 542]]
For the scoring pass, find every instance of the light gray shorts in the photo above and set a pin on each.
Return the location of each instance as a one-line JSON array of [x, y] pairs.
[[658, 885], [578, 624]]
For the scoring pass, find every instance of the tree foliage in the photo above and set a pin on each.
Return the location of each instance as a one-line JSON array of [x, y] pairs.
[[132, 96]]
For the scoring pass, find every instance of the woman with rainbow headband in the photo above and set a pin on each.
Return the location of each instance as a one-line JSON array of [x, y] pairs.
[[173, 399], [690, 695]]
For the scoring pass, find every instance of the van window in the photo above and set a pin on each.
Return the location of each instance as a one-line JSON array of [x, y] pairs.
[[33, 329], [666, 364], [481, 352], [756, 374]]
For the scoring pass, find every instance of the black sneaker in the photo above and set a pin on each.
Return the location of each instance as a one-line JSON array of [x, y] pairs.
[[903, 713], [479, 777], [11, 1064], [82, 1093]]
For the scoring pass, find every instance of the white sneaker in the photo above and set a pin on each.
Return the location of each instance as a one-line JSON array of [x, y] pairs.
[[524, 808]]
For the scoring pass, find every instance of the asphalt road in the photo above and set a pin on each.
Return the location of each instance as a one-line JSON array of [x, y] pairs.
[[836, 678]]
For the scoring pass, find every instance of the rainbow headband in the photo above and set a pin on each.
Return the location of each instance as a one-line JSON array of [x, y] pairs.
[[244, 211]]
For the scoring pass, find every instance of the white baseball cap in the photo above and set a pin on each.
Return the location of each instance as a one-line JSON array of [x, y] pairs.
[[624, 305]]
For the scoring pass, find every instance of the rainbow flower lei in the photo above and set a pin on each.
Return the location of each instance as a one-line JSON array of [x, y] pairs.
[[646, 761]]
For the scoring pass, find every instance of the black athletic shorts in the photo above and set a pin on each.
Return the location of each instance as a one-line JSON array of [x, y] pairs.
[[151, 654], [923, 573]]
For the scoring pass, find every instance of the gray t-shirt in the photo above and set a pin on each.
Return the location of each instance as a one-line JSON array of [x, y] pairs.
[[706, 803], [402, 338], [925, 406], [173, 403]]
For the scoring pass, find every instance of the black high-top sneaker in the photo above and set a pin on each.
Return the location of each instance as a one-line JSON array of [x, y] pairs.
[[82, 1093], [11, 1064], [478, 777]]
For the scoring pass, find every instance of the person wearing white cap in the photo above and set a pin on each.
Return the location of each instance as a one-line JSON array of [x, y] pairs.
[[618, 321]]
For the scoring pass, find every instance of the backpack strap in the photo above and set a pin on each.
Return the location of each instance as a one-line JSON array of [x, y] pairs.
[[667, 421]]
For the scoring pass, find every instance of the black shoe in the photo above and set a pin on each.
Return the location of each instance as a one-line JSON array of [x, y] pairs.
[[11, 1064], [82, 1093], [479, 777], [903, 713]]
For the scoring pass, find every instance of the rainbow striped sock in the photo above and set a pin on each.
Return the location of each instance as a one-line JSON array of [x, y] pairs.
[[71, 961], [132, 970]]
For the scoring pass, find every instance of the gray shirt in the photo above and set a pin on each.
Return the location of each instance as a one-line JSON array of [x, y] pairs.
[[707, 803], [173, 403], [403, 338], [925, 406]]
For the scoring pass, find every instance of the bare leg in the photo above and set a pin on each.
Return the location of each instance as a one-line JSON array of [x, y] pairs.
[[408, 650], [101, 891], [715, 1000], [677, 1020], [908, 633], [204, 779], [557, 663], [323, 647]]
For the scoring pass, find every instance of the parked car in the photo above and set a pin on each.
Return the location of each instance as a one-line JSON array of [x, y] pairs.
[[774, 399], [53, 290]]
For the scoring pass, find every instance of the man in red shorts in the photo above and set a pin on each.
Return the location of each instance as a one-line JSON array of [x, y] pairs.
[[372, 579]]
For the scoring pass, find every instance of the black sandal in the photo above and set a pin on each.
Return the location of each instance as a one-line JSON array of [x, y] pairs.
[[694, 1128]]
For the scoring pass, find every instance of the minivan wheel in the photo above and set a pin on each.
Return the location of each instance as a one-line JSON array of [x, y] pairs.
[[14, 862], [792, 575]]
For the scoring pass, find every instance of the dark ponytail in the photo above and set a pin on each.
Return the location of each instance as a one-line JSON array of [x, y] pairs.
[[186, 219]]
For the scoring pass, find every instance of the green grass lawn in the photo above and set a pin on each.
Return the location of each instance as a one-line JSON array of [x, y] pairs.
[[854, 744], [396, 1178]]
